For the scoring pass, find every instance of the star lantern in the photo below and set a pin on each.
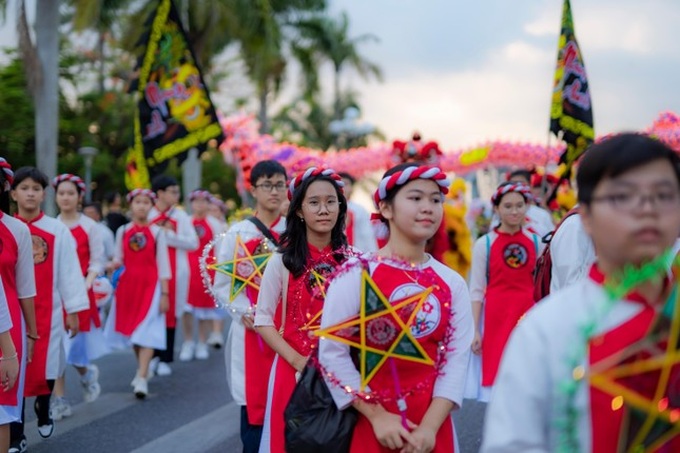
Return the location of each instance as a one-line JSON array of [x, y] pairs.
[[245, 269]]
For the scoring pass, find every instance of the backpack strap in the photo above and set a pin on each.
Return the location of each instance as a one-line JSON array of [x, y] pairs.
[[535, 236], [266, 232]]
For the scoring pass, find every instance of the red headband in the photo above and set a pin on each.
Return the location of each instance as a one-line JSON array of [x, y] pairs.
[[7, 170], [518, 187], [312, 172], [200, 194], [80, 185], [409, 174], [149, 193]]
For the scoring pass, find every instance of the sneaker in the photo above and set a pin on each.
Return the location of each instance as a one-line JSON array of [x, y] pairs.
[[46, 431], [216, 340], [19, 447], [141, 388], [60, 408], [47, 428], [90, 383], [135, 379], [202, 351], [163, 369], [153, 367], [187, 351]]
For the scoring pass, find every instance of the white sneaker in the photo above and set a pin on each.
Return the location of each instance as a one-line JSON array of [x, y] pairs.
[[163, 369], [46, 431], [135, 379], [216, 340], [153, 366], [202, 351], [90, 383], [60, 408], [186, 353], [141, 388]]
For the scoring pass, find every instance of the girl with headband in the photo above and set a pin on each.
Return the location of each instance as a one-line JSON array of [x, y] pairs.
[[137, 315], [17, 316], [201, 304], [313, 244], [89, 344], [501, 283], [416, 413]]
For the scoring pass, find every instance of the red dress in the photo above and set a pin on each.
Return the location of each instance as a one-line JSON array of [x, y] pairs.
[[301, 306], [509, 294], [258, 355], [87, 317], [430, 330], [9, 258], [198, 296], [137, 284]]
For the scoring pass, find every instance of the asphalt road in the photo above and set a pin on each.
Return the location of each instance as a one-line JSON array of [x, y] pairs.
[[190, 411]]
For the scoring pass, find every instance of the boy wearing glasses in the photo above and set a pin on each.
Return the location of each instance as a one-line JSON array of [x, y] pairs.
[[596, 369], [181, 238], [248, 358]]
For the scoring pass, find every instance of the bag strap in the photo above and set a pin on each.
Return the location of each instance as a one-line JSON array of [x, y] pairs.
[[284, 298], [263, 229]]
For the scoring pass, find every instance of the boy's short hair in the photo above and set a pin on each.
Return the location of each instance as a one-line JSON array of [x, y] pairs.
[[266, 169], [97, 206], [347, 176], [526, 174], [162, 182], [616, 155], [111, 195], [33, 173]]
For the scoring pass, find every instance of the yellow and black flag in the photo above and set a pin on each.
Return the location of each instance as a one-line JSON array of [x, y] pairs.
[[571, 113], [174, 111]]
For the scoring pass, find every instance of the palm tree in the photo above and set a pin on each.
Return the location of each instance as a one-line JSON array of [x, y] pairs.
[[328, 39]]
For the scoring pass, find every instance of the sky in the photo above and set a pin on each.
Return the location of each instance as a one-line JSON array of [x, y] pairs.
[[463, 72]]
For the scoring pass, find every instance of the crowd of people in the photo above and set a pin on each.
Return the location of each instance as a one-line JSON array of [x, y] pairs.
[[566, 328]]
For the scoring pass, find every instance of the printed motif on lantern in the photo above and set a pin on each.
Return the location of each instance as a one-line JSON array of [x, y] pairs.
[[40, 249], [428, 317]]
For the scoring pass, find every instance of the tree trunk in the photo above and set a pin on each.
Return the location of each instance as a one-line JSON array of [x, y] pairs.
[[262, 116], [46, 95], [101, 70], [337, 114]]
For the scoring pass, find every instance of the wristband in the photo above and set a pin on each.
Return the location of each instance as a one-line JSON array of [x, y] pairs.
[[12, 357]]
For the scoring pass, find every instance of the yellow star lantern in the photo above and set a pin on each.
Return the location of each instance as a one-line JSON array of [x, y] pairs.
[[245, 269], [314, 322], [382, 330], [643, 380]]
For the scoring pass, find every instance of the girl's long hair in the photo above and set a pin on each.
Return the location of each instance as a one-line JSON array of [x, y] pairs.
[[294, 246], [4, 194]]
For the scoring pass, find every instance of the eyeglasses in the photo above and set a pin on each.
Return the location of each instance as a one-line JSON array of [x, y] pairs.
[[315, 205], [268, 187], [628, 202]]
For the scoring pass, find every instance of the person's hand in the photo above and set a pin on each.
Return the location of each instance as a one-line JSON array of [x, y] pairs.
[[424, 439], [299, 363], [248, 321], [30, 345], [165, 303], [9, 370], [477, 343], [90, 280], [390, 432], [72, 324]]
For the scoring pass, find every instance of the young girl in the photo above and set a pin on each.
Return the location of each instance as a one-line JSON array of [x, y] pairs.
[[141, 301], [410, 201], [201, 304], [312, 245], [18, 286], [501, 283], [89, 344]]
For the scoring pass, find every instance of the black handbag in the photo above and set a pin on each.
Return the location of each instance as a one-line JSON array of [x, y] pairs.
[[313, 423]]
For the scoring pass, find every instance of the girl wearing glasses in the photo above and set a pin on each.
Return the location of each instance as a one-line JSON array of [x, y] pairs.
[[313, 244], [501, 283]]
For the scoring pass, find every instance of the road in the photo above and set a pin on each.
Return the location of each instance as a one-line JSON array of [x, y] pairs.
[[191, 411]]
